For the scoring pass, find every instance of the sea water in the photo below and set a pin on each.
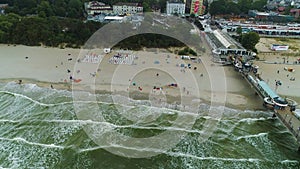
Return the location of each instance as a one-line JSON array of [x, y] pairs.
[[39, 128]]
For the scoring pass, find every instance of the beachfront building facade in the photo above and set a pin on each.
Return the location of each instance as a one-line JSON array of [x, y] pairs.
[[264, 30], [224, 47], [175, 7], [124, 8], [197, 7], [96, 8]]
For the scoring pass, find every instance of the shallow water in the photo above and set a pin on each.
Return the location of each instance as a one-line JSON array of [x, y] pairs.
[[41, 129]]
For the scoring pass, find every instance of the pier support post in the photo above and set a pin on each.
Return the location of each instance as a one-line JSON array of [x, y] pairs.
[[299, 149]]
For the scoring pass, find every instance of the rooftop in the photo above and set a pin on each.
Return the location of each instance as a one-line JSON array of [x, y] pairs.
[[267, 89], [175, 1], [128, 4]]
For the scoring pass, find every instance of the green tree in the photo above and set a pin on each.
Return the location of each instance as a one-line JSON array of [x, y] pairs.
[[146, 7], [259, 5], [75, 8], [217, 7], [287, 10], [249, 40], [44, 9], [244, 5], [232, 8]]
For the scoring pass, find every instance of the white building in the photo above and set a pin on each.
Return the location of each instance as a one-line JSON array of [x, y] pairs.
[[175, 7], [123, 8], [95, 8]]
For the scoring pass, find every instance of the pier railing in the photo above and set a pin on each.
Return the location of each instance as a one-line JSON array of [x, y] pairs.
[[292, 124], [288, 124]]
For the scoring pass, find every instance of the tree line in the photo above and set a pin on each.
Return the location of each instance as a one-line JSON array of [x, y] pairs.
[[149, 40], [46, 8], [228, 7], [68, 32], [49, 31]]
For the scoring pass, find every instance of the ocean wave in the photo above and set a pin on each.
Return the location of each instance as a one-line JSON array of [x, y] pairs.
[[184, 155], [9, 121], [19, 139], [252, 120], [251, 136], [218, 113], [114, 126]]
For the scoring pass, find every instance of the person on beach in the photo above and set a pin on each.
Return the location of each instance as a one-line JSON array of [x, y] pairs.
[[51, 86], [20, 81]]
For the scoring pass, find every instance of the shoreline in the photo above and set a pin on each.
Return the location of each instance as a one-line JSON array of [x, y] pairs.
[[46, 66], [135, 95]]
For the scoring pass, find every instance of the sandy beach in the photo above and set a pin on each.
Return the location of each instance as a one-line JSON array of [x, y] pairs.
[[274, 64], [151, 74]]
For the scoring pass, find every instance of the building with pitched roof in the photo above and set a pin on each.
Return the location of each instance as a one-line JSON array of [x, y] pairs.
[[96, 8], [124, 8], [175, 7]]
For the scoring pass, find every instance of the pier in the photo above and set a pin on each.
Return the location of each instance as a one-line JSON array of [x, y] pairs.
[[282, 107], [283, 110]]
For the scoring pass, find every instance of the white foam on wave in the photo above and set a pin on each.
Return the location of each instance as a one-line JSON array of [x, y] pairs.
[[114, 126], [3, 168], [32, 143], [289, 161], [173, 154], [185, 155], [9, 121], [169, 107], [252, 136], [28, 98], [252, 120]]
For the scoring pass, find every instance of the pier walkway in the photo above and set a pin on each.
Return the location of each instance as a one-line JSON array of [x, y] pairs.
[[285, 114]]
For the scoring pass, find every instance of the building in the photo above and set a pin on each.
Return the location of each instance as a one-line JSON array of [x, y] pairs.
[[2, 7], [264, 30], [175, 7], [123, 8], [224, 47], [197, 7], [96, 8], [271, 16]]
